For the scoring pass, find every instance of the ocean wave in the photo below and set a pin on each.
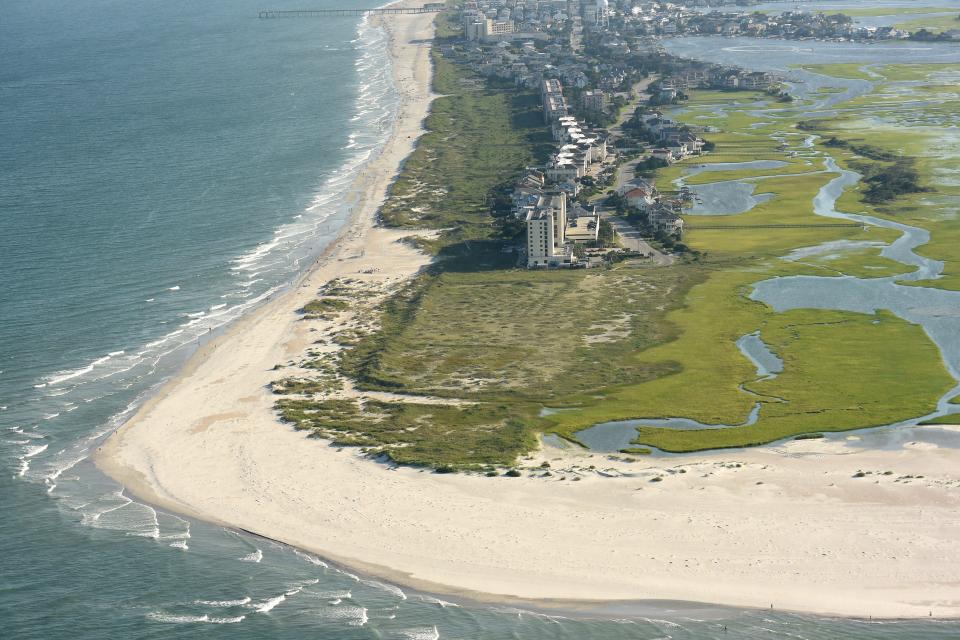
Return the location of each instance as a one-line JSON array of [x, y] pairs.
[[63, 376], [330, 595], [424, 633], [174, 288], [35, 450], [437, 601], [58, 470], [311, 559], [389, 588], [160, 616], [255, 557], [268, 605], [117, 512], [354, 616], [224, 603]]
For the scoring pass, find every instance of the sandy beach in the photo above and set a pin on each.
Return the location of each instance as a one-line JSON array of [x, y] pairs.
[[813, 526]]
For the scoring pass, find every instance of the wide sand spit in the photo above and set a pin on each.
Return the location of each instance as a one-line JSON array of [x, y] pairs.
[[788, 527]]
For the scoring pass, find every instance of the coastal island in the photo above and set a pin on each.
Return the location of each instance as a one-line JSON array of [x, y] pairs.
[[585, 278]]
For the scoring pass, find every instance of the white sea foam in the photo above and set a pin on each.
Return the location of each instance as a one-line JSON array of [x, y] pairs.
[[217, 306], [35, 450], [159, 616], [311, 559], [438, 601], [224, 603], [269, 604], [58, 470], [352, 615], [180, 544], [425, 633], [117, 512], [64, 376], [174, 288], [330, 595], [389, 588], [256, 557]]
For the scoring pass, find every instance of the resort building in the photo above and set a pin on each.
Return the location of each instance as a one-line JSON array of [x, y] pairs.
[[554, 104], [546, 233], [594, 101]]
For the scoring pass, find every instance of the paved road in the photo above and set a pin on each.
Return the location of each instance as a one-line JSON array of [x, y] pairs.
[[631, 240], [626, 171], [627, 234]]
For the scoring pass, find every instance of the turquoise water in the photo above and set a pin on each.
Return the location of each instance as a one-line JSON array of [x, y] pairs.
[[163, 168]]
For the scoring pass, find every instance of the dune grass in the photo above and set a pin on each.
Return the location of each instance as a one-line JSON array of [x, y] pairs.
[[479, 135], [511, 334]]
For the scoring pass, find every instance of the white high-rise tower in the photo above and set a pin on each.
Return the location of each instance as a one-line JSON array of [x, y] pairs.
[[603, 13]]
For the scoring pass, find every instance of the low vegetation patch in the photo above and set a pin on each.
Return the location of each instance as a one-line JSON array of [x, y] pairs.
[[324, 308], [417, 434]]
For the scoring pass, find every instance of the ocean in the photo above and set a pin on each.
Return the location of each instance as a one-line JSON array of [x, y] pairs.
[[164, 167]]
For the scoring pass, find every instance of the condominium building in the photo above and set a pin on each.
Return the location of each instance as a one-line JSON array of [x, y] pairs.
[[546, 233], [594, 101]]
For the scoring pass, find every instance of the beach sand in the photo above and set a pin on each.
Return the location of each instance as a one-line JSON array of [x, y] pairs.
[[788, 527]]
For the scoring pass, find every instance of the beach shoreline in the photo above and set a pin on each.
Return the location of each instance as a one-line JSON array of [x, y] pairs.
[[789, 527]]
